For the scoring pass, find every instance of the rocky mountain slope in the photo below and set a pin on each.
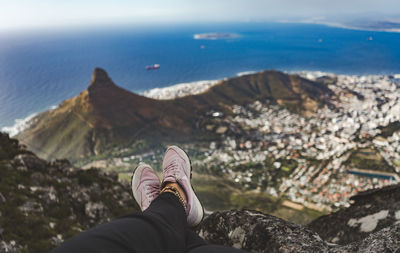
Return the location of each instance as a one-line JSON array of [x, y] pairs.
[[102, 116], [43, 203], [105, 116]]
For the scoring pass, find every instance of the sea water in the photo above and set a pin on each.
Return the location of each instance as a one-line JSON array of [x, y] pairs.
[[42, 68]]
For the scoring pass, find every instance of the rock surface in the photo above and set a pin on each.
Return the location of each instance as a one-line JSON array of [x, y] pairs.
[[371, 211], [43, 203], [258, 232]]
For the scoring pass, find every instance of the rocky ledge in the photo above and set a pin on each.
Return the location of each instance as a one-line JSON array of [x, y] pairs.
[[370, 212], [43, 203], [258, 232]]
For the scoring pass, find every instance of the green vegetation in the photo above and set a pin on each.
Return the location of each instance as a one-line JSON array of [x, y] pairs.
[[34, 230], [41, 202], [218, 193], [265, 174], [368, 159], [390, 129]]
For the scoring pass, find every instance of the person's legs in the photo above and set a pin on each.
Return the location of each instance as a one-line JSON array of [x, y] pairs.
[[163, 225], [161, 228]]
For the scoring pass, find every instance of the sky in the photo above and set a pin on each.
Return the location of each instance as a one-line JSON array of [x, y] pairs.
[[23, 14]]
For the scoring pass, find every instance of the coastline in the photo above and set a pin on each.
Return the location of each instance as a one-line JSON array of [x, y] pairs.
[[185, 89], [180, 89], [162, 93], [183, 59], [349, 27], [22, 123]]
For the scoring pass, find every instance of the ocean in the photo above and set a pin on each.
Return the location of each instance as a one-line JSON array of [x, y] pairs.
[[40, 69]]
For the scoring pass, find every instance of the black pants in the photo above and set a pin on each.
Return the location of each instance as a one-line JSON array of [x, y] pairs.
[[161, 228]]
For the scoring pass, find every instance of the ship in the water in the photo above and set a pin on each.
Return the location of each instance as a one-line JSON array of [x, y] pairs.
[[152, 67]]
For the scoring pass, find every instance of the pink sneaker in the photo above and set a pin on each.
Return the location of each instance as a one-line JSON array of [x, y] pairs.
[[145, 185], [177, 169]]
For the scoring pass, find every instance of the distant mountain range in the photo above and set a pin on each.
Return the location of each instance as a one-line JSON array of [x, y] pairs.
[[106, 116]]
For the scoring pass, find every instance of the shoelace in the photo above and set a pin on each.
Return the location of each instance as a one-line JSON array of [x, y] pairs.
[[151, 191], [171, 168]]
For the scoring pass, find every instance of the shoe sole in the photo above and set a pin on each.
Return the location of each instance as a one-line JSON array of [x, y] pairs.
[[199, 206]]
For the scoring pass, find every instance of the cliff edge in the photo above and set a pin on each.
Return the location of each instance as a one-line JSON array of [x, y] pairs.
[[258, 232], [44, 203]]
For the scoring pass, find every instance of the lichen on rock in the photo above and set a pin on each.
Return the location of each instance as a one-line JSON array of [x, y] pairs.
[[371, 211], [258, 232]]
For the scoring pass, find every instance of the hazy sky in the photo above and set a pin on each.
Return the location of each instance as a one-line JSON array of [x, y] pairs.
[[16, 14]]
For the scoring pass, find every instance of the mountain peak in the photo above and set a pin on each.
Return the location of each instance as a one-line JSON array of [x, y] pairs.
[[100, 79], [106, 116]]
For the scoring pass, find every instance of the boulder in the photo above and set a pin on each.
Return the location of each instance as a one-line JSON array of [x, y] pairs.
[[31, 207], [258, 232], [96, 210], [10, 247], [371, 211], [385, 240], [29, 161]]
